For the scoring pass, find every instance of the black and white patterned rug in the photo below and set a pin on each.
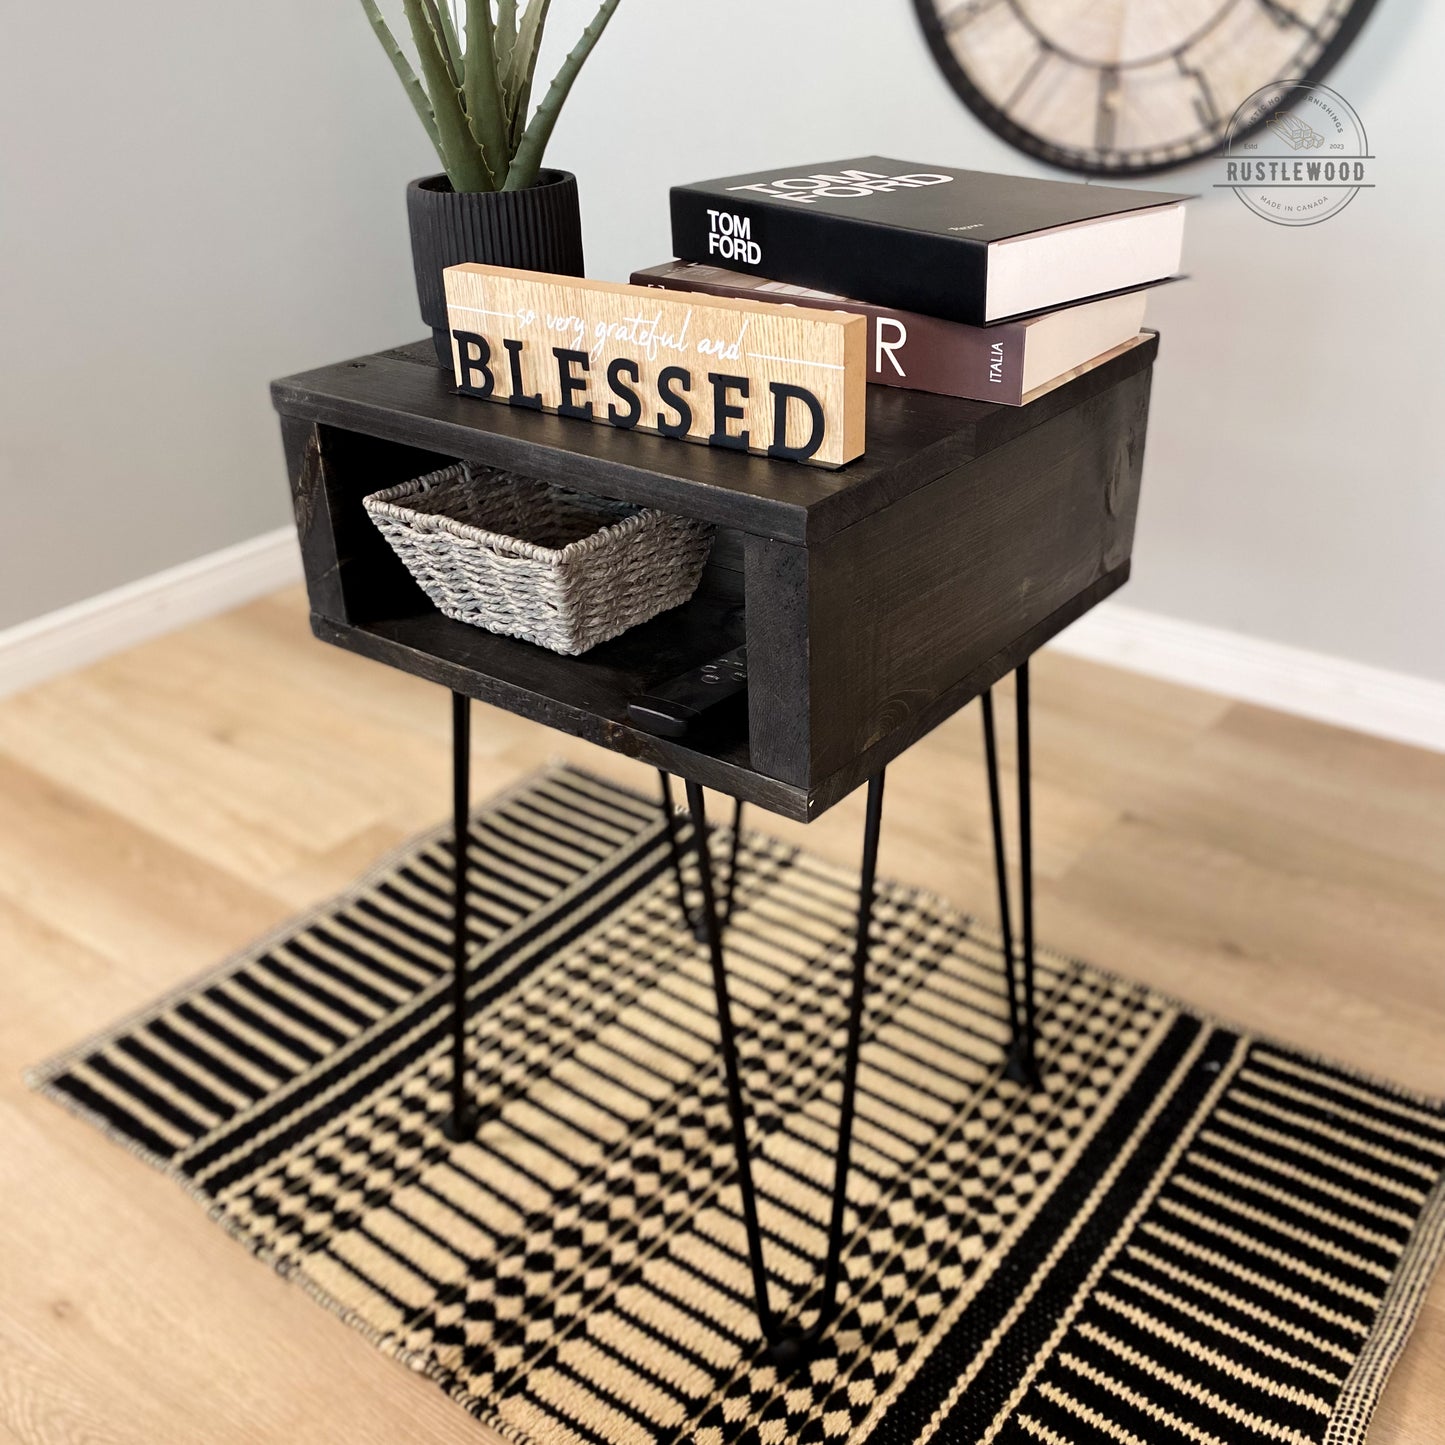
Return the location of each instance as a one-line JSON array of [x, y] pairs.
[[1187, 1235]]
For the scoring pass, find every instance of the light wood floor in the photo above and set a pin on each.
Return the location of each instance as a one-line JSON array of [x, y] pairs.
[[162, 808]]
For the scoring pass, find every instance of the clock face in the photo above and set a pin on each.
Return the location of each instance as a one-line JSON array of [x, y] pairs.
[[1125, 87]]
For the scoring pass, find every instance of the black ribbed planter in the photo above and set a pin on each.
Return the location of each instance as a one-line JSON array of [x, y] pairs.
[[537, 229]]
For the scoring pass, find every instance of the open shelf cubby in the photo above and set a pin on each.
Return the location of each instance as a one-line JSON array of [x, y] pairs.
[[387, 616]]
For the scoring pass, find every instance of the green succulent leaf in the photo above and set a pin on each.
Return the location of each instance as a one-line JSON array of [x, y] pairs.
[[405, 74], [449, 33], [444, 41], [527, 161], [465, 165], [524, 65], [473, 99], [482, 93], [506, 30]]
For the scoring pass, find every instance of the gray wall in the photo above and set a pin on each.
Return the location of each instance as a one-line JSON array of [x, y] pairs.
[[253, 194], [193, 200]]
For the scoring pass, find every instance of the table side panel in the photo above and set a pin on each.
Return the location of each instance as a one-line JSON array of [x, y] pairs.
[[836, 786], [779, 604], [951, 574], [315, 526]]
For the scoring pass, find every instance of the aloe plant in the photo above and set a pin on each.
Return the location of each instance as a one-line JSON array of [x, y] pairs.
[[475, 87]]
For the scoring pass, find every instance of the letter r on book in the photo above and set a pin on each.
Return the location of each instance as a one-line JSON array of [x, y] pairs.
[[890, 336]]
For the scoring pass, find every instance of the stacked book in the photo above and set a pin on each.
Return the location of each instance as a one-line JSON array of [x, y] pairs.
[[997, 288]]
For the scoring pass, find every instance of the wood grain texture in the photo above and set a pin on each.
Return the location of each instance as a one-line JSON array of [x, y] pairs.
[[780, 721], [951, 575], [913, 438], [910, 724], [1276, 872], [755, 343]]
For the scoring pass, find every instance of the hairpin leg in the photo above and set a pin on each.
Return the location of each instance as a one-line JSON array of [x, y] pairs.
[[727, 912], [1022, 1066], [1000, 863], [1029, 1060], [788, 1342], [461, 1123], [695, 926], [669, 823]]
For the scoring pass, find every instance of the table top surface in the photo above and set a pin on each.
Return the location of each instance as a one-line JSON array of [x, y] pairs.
[[913, 437]]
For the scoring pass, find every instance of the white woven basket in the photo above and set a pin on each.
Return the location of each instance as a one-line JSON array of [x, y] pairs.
[[529, 559]]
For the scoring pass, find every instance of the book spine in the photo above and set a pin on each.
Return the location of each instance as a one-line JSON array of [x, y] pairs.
[[894, 266], [905, 349]]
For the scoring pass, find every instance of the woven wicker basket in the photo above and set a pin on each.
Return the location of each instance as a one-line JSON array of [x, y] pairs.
[[532, 560]]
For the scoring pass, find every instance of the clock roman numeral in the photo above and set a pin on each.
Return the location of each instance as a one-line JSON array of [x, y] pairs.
[[1029, 76], [965, 14], [1204, 103], [1106, 119], [1284, 17]]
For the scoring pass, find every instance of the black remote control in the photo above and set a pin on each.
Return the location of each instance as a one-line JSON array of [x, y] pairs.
[[683, 705]]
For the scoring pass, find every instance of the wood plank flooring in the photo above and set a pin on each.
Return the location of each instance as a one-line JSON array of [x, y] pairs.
[[160, 809]]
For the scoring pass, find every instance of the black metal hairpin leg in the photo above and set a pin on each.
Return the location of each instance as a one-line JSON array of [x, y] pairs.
[[669, 823], [461, 1123], [789, 1343], [1022, 1065], [669, 815], [727, 913], [1026, 867]]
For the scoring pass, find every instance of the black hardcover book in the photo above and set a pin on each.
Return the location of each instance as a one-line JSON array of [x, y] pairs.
[[965, 245]]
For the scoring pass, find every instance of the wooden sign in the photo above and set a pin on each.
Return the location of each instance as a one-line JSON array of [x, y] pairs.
[[785, 381]]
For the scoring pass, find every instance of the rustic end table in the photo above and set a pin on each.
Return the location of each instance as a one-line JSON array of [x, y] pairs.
[[874, 601]]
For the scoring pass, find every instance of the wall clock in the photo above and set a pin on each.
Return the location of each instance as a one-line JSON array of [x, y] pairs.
[[1126, 87]]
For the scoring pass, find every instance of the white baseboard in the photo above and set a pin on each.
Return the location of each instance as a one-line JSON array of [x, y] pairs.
[[94, 628], [1312, 684], [1329, 689]]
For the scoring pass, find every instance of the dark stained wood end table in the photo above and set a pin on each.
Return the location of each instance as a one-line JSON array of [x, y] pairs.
[[875, 601]]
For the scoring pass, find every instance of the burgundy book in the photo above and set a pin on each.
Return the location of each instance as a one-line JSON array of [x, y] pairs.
[[1009, 363]]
